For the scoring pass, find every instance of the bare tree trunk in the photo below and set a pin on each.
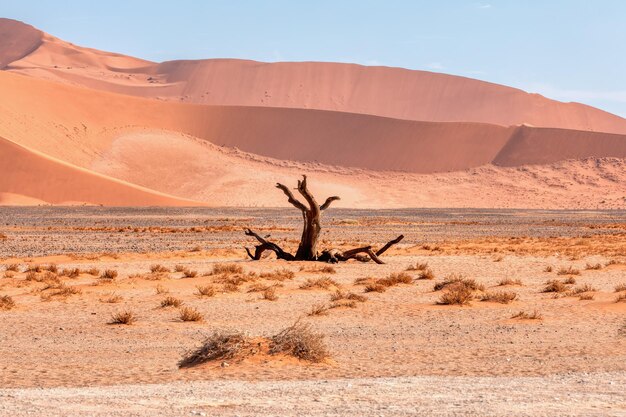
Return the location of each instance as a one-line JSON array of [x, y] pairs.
[[307, 249]]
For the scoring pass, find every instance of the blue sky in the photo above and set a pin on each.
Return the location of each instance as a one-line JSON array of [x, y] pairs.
[[570, 50]]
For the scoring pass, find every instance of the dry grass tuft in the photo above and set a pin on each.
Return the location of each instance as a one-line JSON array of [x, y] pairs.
[[593, 267], [12, 267], [34, 268], [535, 315], [123, 317], [179, 268], [93, 271], [620, 287], [454, 279], [170, 301], [278, 274], [158, 269], [230, 287], [586, 296], [502, 297], [582, 289], [341, 295], [621, 298], [418, 267], [187, 273], [320, 309], [205, 291], [555, 286], [568, 271], [569, 281], [190, 314], [375, 287], [457, 293], [508, 281], [111, 298], [270, 294], [548, 268], [395, 278], [321, 283], [426, 274], [323, 270], [226, 269], [6, 302], [218, 346], [160, 289], [343, 303], [300, 341], [109, 274], [70, 272]]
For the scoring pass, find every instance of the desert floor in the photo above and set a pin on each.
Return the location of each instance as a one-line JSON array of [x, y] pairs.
[[396, 352]]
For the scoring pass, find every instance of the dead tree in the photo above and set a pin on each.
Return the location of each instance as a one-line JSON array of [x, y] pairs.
[[307, 249]]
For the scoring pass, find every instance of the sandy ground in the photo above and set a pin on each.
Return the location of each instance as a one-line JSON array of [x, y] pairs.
[[395, 353]]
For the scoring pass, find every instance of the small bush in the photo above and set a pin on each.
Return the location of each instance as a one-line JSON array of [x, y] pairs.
[[12, 267], [454, 279], [226, 269], [568, 271], [158, 269], [508, 281], [620, 287], [548, 268], [426, 274], [343, 303], [278, 274], [620, 298], [6, 302], [582, 289], [190, 314], [218, 346], [123, 317], [418, 267], [34, 268], [341, 295], [375, 287], [187, 273], [456, 293], [593, 266], [52, 268], [319, 309], [206, 290], [502, 297], [70, 272], [535, 315], [555, 286], [321, 283], [109, 274], [171, 302], [179, 268], [586, 296], [569, 281], [300, 341], [230, 287], [270, 294], [93, 272]]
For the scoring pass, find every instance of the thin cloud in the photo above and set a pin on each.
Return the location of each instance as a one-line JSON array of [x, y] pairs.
[[435, 65]]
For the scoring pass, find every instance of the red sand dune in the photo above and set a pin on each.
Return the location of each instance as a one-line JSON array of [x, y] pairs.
[[26, 176], [382, 91]]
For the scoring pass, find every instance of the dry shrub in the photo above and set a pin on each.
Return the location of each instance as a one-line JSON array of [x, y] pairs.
[[502, 297], [620, 287], [123, 317], [196, 249], [34, 268], [32, 276], [342, 295], [375, 287], [569, 281], [230, 287], [179, 268], [218, 346], [364, 280], [586, 296], [323, 270], [52, 268], [555, 286], [9, 274], [395, 278], [187, 273], [457, 293], [206, 290], [319, 309], [109, 274], [620, 298], [426, 274], [12, 267], [454, 279], [170, 301], [93, 271], [300, 341], [70, 272], [6, 302], [158, 268], [508, 281], [278, 274], [548, 268], [418, 267], [593, 267], [258, 287], [111, 298], [568, 271], [270, 294], [535, 315], [160, 289], [59, 291], [190, 314], [322, 283], [343, 303], [226, 269], [582, 289]]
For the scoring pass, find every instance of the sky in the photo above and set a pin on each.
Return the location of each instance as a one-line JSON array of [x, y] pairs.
[[569, 50]]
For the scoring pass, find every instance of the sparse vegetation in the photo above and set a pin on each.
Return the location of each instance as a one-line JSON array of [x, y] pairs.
[[111, 298], [568, 271], [109, 274], [621, 298], [226, 269], [70, 272], [205, 290], [535, 315], [179, 268], [6, 302], [160, 289], [319, 309], [190, 314], [278, 274], [555, 286], [350, 296], [582, 289], [158, 269], [420, 266], [126, 317], [569, 281], [321, 283], [375, 287], [502, 297], [620, 287], [508, 281], [457, 293], [455, 278], [426, 274], [548, 268], [218, 346], [93, 272], [300, 341], [12, 267], [593, 266], [270, 294], [170, 301], [187, 273], [586, 296]]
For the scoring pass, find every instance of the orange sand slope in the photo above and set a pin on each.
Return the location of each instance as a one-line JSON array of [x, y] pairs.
[[27, 177], [383, 91]]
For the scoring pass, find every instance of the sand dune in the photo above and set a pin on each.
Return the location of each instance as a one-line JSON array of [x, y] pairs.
[[382, 91], [28, 178]]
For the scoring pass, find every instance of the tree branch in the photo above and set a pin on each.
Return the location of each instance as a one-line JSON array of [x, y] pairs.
[[389, 244], [302, 188], [294, 201], [267, 245], [328, 201]]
